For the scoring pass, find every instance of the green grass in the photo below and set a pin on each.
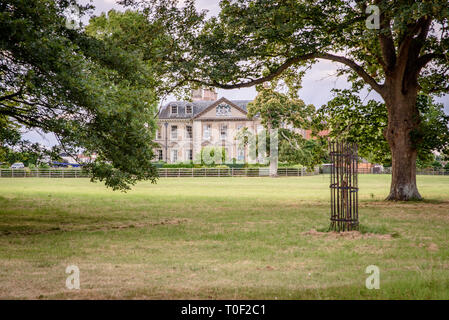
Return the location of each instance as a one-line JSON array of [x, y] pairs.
[[219, 238]]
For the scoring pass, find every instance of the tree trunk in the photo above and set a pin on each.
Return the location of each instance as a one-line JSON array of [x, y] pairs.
[[403, 120], [273, 167]]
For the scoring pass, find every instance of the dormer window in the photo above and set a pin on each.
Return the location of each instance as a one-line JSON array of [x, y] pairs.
[[174, 109], [189, 109]]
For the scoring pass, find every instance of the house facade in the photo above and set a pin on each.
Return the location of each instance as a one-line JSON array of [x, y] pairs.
[[185, 128]]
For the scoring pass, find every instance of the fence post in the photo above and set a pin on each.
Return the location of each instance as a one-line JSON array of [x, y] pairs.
[[232, 172]]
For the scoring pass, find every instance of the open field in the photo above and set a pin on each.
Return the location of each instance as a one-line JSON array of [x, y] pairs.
[[219, 238]]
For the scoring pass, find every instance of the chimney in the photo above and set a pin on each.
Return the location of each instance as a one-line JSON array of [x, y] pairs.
[[204, 95]]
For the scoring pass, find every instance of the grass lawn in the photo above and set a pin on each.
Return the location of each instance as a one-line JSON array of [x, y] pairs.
[[219, 238]]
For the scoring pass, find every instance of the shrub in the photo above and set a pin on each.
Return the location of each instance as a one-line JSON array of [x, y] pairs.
[[437, 165], [178, 165], [221, 166]]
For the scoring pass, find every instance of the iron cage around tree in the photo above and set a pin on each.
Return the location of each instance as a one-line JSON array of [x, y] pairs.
[[344, 186]]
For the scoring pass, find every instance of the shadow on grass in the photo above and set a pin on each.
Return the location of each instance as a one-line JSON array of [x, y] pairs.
[[366, 229]]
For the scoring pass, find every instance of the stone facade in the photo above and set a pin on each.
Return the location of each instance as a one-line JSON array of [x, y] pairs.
[[185, 128]]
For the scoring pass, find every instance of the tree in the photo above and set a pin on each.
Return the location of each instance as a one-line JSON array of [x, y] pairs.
[[347, 117], [294, 148], [278, 110], [13, 148], [94, 96], [253, 41]]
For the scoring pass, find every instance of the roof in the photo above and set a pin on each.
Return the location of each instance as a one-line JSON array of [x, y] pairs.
[[198, 107]]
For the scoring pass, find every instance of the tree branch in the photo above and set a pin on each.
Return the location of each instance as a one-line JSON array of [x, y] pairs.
[[9, 96], [327, 56], [426, 58], [354, 66], [271, 76], [387, 44]]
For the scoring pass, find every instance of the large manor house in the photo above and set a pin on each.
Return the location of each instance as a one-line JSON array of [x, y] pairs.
[[185, 128]]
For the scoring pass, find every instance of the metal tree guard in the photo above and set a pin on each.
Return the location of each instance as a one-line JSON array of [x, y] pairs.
[[344, 186]]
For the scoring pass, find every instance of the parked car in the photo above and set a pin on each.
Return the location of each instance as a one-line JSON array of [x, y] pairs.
[[18, 165]]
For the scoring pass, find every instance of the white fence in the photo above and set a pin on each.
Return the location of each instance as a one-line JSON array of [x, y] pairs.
[[163, 172], [195, 172], [42, 173], [427, 172], [231, 172]]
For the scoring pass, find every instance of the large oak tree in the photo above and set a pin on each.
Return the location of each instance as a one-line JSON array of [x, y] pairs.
[[94, 96], [253, 41]]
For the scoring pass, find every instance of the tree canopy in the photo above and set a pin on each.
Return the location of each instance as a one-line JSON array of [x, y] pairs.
[[94, 96], [254, 41], [348, 117], [283, 112]]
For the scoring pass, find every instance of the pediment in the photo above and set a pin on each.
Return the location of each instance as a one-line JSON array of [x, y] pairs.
[[222, 109]]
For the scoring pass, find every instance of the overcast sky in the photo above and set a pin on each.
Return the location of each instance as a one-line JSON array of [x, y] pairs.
[[317, 83]]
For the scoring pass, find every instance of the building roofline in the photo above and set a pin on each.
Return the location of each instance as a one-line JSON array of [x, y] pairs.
[[216, 103]]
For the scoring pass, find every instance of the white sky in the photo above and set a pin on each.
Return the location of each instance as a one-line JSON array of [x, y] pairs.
[[317, 83]]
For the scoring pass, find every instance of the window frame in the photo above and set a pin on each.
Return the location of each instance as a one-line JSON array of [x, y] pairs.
[[221, 131], [160, 155], [240, 154], [189, 136], [209, 131], [175, 131], [174, 154], [189, 155]]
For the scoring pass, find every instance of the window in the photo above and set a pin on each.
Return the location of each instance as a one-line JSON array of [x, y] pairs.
[[189, 109], [223, 110], [241, 154], [189, 132], [160, 156], [174, 156], [223, 131], [206, 131], [174, 132], [189, 154], [158, 133], [174, 109]]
